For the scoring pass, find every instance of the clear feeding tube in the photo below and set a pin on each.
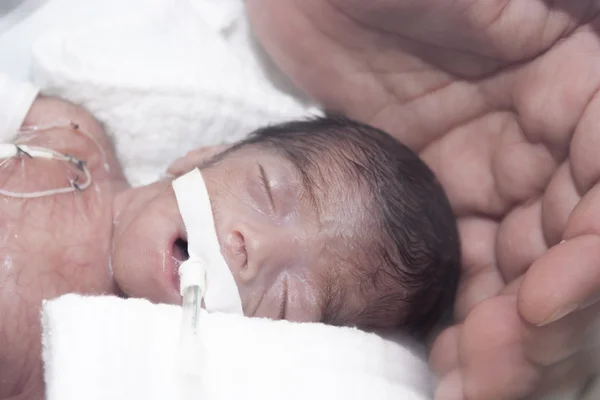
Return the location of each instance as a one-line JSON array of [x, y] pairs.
[[193, 354], [205, 279]]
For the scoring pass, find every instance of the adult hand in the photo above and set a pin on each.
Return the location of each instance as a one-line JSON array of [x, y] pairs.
[[499, 97]]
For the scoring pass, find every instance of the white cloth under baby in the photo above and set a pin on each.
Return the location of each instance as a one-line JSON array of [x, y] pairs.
[[165, 77], [15, 101], [110, 348]]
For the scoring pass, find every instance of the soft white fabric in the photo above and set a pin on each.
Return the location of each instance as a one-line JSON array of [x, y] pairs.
[[15, 100], [17, 35], [110, 348], [166, 77]]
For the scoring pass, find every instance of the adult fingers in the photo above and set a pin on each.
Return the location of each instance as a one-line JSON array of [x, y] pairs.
[[562, 339], [480, 279], [472, 382], [491, 363], [491, 354], [566, 278], [520, 240], [495, 350], [560, 199], [443, 357], [569, 374], [451, 387]]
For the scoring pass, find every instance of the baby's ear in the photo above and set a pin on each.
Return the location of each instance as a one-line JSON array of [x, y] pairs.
[[194, 158]]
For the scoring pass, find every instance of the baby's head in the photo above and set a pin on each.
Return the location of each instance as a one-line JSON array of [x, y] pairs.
[[323, 220]]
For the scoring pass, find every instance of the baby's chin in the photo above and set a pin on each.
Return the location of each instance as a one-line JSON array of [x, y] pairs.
[[148, 239]]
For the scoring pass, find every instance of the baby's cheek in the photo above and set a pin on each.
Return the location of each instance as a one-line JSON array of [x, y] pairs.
[[304, 299]]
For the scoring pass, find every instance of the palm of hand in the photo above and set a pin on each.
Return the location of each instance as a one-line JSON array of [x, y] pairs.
[[499, 98]]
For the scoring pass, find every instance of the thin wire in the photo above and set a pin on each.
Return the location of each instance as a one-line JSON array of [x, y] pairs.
[[30, 129], [42, 152]]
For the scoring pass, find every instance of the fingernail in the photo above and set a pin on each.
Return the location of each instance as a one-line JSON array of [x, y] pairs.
[[560, 313]]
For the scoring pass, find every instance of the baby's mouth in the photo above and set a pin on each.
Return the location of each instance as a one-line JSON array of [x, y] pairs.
[[180, 251], [180, 254]]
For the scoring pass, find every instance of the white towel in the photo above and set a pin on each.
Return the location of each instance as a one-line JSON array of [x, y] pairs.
[[111, 348], [15, 100], [166, 77]]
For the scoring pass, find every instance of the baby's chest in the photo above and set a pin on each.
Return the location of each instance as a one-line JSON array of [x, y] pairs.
[[53, 246], [48, 248], [62, 234]]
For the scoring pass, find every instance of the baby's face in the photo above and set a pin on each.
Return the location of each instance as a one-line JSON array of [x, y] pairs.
[[280, 237]]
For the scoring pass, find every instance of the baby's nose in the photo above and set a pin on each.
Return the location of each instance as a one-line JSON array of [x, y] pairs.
[[254, 254]]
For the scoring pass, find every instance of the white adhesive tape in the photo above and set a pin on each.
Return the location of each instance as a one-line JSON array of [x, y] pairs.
[[206, 267]]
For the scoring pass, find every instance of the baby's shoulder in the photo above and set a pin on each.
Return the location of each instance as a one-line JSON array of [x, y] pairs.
[[60, 159], [70, 129]]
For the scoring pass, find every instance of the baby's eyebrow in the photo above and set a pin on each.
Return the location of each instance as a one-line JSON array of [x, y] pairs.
[[308, 186], [302, 163], [265, 182]]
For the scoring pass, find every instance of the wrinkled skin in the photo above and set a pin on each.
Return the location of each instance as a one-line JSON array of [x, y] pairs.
[[499, 97], [53, 245]]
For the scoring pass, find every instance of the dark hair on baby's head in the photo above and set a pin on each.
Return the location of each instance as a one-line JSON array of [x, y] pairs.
[[414, 254]]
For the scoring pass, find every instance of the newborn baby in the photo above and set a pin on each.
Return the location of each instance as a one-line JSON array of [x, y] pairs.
[[322, 220]]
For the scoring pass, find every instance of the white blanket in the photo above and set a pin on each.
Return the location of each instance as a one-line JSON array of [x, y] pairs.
[[165, 77], [110, 348]]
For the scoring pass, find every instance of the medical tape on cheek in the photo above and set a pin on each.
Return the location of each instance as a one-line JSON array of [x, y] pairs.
[[205, 275], [206, 266]]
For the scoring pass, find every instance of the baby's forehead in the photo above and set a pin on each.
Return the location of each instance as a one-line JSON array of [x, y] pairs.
[[331, 187], [322, 177]]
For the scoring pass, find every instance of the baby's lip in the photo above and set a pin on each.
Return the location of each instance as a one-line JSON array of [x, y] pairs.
[[178, 249], [178, 254]]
